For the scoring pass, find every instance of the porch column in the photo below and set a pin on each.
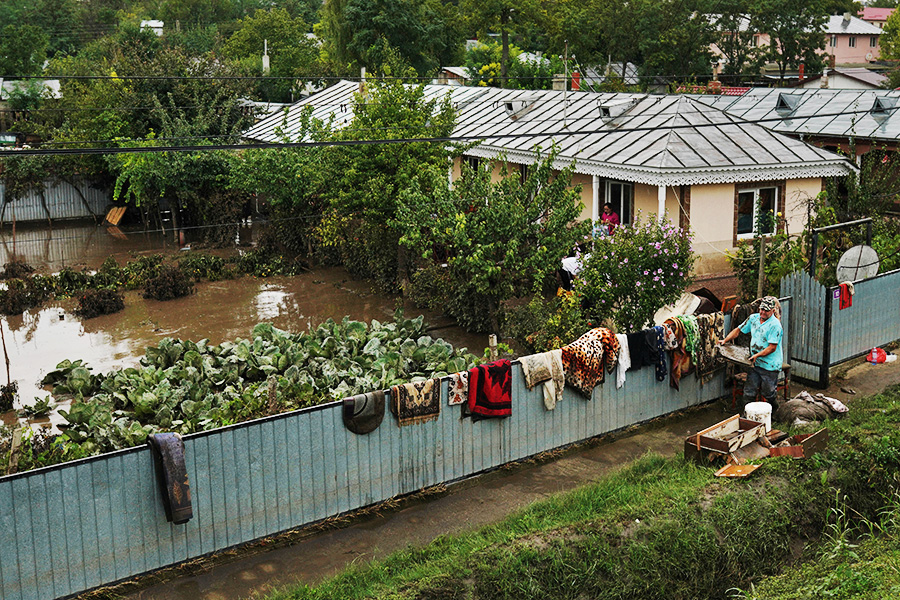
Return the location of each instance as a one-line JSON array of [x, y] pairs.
[[595, 206], [661, 203]]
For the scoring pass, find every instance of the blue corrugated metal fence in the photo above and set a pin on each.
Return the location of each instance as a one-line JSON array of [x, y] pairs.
[[76, 526], [824, 336]]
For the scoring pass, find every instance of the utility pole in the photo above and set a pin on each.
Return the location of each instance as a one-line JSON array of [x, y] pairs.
[[762, 266]]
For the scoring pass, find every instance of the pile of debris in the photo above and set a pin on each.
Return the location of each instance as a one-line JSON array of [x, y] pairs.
[[735, 441]]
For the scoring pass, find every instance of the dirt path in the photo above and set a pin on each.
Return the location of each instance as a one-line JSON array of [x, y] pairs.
[[465, 506]]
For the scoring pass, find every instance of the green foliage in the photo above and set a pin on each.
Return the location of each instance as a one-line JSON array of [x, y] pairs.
[[784, 255], [734, 37], [631, 274], [291, 53], [190, 386], [264, 262], [499, 240], [23, 50], [93, 303], [21, 295], [795, 32], [889, 41], [543, 324], [506, 17], [16, 269], [198, 265], [170, 283], [424, 32]]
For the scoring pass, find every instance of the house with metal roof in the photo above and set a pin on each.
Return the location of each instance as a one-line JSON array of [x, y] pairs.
[[850, 40], [845, 120], [846, 78], [651, 154]]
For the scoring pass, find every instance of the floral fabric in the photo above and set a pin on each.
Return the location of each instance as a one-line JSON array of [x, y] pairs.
[[414, 403]]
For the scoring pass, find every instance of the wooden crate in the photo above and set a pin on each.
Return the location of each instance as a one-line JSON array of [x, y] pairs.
[[729, 435]]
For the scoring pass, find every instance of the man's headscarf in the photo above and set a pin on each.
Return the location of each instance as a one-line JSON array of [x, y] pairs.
[[768, 303]]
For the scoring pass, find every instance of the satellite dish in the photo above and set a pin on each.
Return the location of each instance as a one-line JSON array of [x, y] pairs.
[[859, 262]]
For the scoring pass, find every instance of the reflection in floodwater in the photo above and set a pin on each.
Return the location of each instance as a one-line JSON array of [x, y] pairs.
[[225, 310]]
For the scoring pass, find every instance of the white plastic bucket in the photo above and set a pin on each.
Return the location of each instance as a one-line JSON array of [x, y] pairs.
[[761, 412]]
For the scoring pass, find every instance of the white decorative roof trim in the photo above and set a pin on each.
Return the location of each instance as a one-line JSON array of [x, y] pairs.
[[684, 176]]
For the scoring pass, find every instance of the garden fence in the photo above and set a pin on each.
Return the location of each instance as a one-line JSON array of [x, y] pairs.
[[823, 336], [76, 526]]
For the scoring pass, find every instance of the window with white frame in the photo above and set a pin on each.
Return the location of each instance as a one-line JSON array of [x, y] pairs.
[[851, 41], [873, 41], [620, 196], [756, 211], [472, 161], [833, 42]]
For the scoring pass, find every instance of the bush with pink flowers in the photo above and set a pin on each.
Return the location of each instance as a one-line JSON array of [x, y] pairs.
[[631, 274]]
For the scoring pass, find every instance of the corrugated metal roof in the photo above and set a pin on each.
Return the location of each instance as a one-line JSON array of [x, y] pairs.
[[836, 24], [818, 112], [658, 140]]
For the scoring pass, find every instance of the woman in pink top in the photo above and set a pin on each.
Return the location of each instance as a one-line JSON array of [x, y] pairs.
[[609, 217]]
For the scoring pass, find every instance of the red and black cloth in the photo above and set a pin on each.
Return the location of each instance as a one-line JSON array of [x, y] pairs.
[[845, 300], [490, 390]]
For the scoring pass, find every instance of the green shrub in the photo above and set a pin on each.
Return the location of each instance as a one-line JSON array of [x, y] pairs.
[[170, 283], [69, 281], [139, 271], [263, 262], [20, 295], [8, 395], [631, 274], [543, 324], [93, 303], [199, 266]]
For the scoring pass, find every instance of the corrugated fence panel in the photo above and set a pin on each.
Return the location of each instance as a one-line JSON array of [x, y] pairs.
[[806, 322], [873, 320], [73, 527], [62, 200]]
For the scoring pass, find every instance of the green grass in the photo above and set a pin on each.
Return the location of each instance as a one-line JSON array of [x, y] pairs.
[[667, 529]]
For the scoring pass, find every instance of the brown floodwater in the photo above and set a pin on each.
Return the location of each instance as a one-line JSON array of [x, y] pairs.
[[40, 339]]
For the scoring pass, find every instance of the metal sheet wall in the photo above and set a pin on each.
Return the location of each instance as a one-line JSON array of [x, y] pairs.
[[62, 200], [873, 320], [806, 324], [76, 526]]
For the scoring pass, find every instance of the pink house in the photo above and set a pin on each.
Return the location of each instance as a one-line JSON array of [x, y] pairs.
[[850, 40], [876, 16]]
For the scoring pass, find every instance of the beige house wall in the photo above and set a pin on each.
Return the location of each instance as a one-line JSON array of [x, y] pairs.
[[711, 210], [798, 194]]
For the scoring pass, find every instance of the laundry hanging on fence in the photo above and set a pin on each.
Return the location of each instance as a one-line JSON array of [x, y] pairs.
[[545, 368], [171, 476], [587, 359], [363, 413], [691, 333], [845, 295], [418, 402], [655, 338], [490, 390], [681, 358], [710, 329], [458, 388], [624, 359], [641, 352]]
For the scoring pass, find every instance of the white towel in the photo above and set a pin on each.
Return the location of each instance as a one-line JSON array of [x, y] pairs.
[[624, 359], [545, 367], [458, 388]]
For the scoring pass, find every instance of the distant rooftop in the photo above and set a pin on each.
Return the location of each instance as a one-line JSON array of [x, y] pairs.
[[837, 24]]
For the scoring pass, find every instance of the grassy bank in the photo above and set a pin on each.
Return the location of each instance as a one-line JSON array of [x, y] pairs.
[[660, 528]]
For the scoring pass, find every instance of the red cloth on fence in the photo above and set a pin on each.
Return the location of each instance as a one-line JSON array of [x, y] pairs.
[[846, 297], [490, 390]]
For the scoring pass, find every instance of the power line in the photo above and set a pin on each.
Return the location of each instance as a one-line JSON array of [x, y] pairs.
[[443, 139]]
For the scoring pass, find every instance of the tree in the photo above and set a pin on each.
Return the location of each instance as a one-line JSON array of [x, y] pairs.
[[890, 37], [795, 32], [735, 38], [498, 16], [423, 31], [291, 52], [23, 50], [674, 38], [498, 239]]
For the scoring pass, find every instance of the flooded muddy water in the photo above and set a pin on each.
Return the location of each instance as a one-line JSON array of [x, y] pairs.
[[38, 340]]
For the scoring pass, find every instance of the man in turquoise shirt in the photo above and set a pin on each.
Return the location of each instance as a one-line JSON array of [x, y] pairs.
[[765, 351]]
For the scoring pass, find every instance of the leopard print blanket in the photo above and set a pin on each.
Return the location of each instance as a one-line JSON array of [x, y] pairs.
[[587, 359]]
